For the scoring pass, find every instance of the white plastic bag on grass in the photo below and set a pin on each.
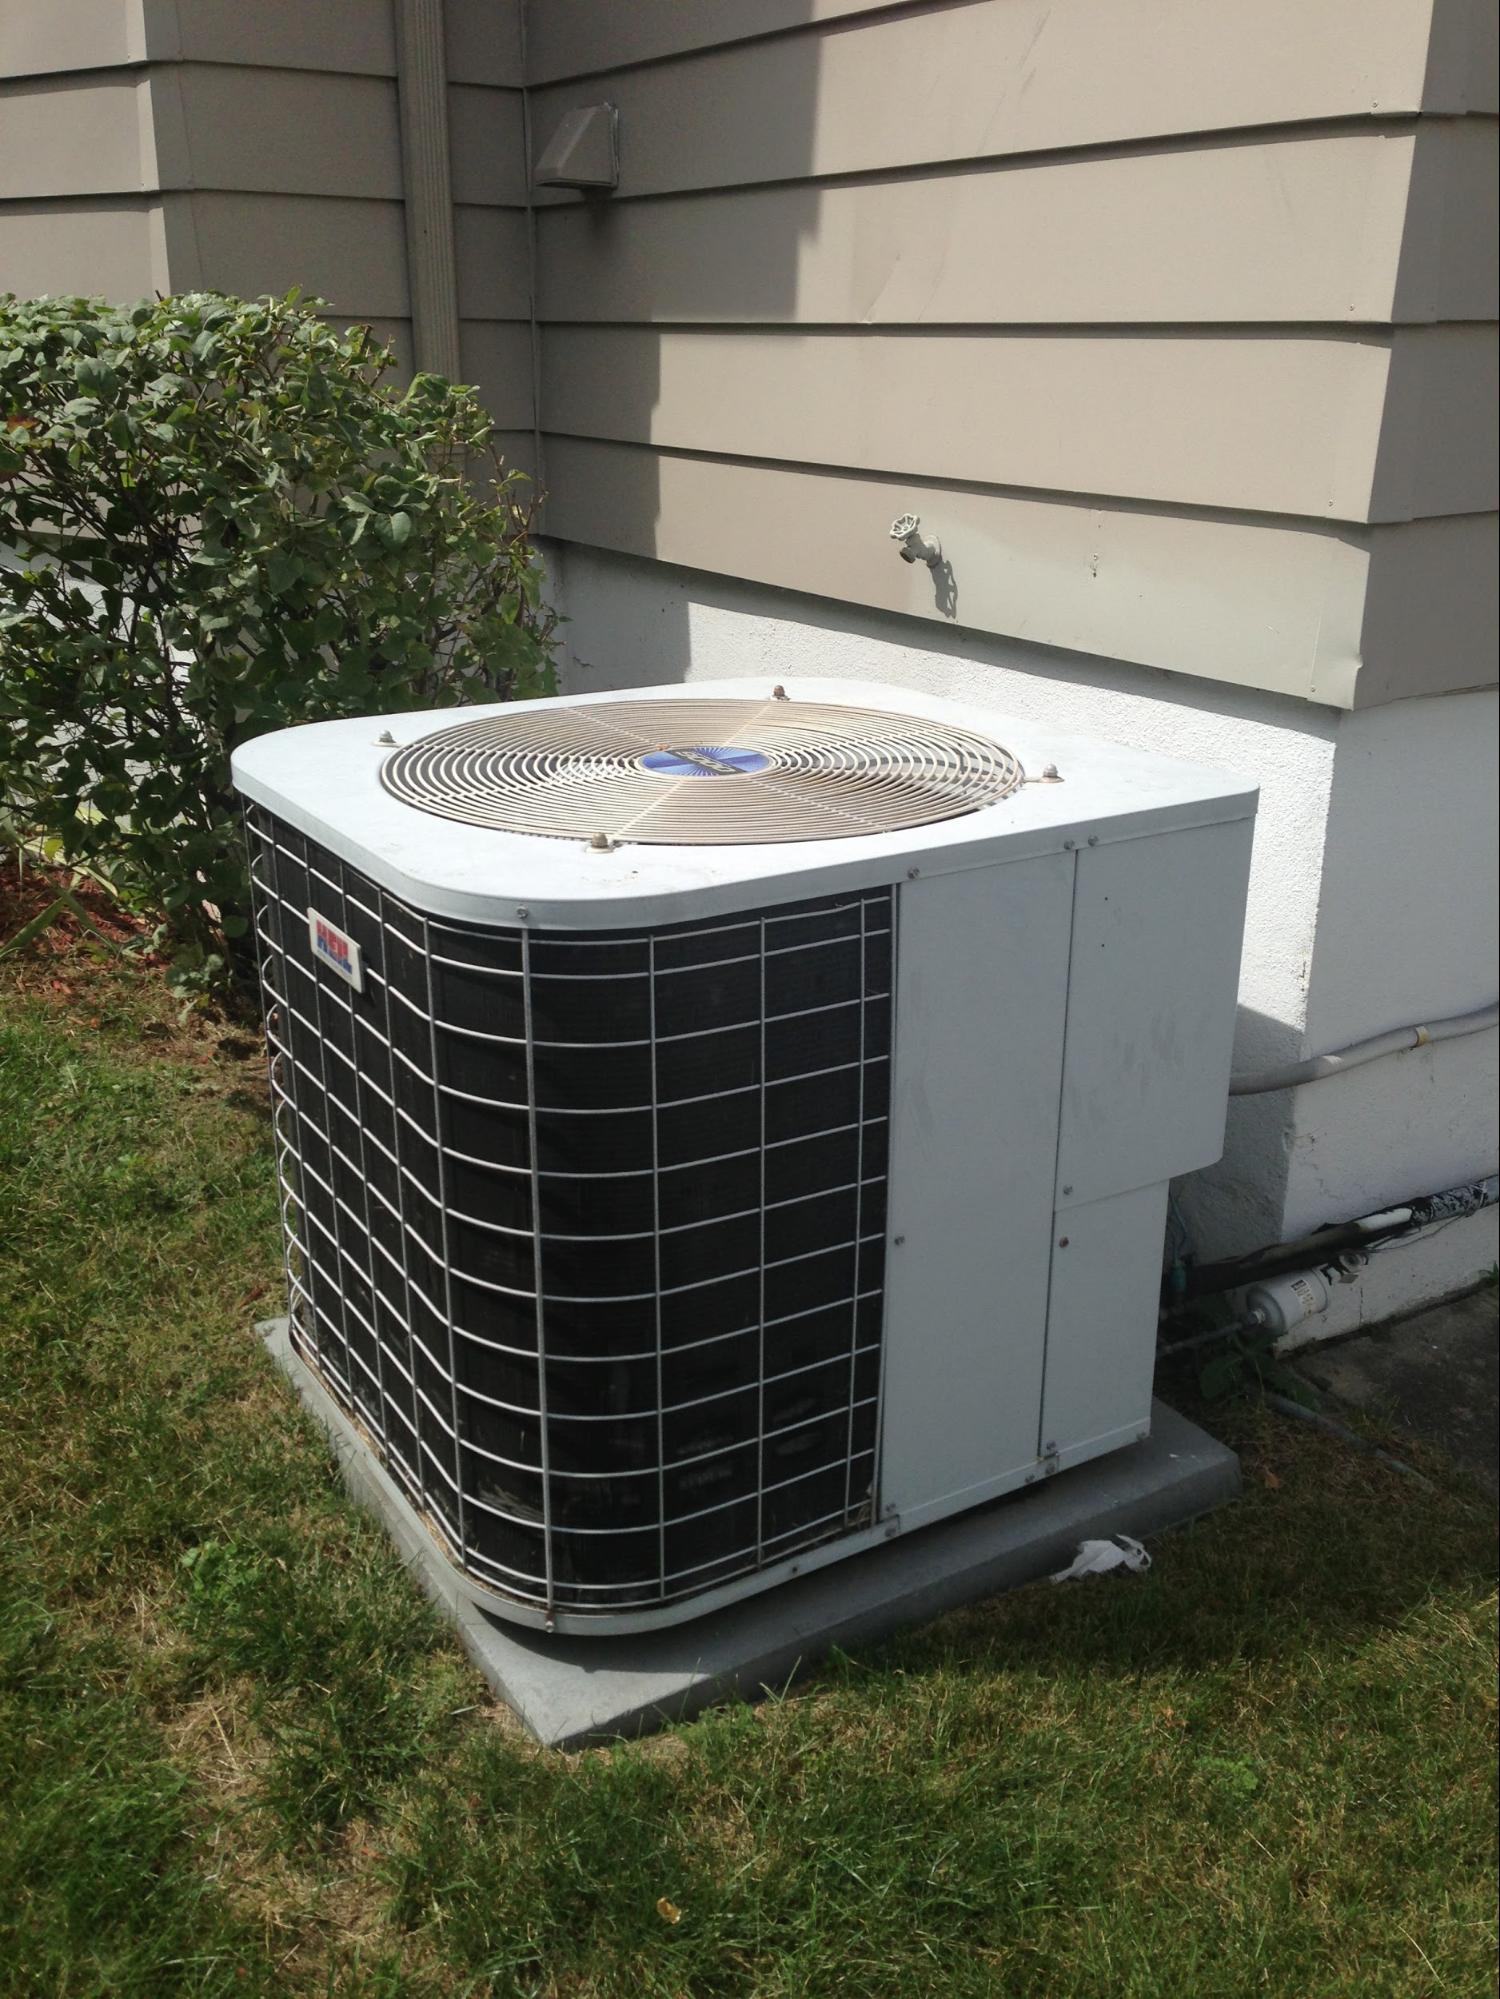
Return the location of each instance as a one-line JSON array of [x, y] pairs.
[[1097, 1558]]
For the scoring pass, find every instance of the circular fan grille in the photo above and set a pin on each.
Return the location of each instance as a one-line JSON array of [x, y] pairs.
[[700, 773]]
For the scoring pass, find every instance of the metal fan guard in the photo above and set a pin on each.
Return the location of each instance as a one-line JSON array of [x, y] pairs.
[[700, 772]]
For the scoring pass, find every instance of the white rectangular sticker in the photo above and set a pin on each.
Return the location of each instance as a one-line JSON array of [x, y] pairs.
[[336, 949]]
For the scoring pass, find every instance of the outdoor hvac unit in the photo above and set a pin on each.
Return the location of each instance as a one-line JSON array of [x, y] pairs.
[[723, 1128]]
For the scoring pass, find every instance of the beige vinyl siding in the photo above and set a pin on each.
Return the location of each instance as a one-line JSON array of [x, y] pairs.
[[1449, 255], [573, 38], [567, 38], [492, 253], [1173, 318], [172, 126], [279, 131], [1347, 617], [252, 148], [46, 37], [69, 136], [1273, 604], [484, 41], [251, 243], [352, 37], [1432, 608], [1300, 228], [496, 357], [1438, 452], [114, 246], [1253, 422], [486, 136], [991, 78], [1172, 321], [79, 208], [335, 141], [1463, 57]]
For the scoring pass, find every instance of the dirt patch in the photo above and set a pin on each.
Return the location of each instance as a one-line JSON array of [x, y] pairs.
[[92, 961], [1434, 1377], [28, 891]]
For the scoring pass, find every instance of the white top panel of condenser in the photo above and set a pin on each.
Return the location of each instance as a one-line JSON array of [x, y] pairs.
[[332, 780]]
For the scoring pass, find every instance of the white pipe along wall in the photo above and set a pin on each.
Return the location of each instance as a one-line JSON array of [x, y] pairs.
[[1399, 1039], [1373, 890]]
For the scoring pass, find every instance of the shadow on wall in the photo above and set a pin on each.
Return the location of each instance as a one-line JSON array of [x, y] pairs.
[[1238, 1204], [638, 630], [648, 237]]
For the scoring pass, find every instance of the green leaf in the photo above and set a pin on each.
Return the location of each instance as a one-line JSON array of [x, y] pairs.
[[237, 481], [1283, 1382], [1221, 1376], [282, 571]]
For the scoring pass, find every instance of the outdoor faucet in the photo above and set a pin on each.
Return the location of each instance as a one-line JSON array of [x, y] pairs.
[[912, 548]]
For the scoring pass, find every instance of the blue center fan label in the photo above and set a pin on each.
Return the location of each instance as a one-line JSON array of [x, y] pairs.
[[336, 949], [705, 761]]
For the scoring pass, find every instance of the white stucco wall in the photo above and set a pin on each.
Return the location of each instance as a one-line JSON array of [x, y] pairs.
[[1406, 931], [1372, 893]]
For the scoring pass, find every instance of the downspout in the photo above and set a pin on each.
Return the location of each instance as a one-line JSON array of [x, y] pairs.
[[427, 183], [538, 468]]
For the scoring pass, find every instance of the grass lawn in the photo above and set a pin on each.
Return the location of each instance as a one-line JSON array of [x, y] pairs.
[[240, 1755]]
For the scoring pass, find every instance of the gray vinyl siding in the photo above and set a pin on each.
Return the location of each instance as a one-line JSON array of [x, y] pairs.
[[1174, 324]]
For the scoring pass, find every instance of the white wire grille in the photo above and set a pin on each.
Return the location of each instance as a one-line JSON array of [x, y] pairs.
[[700, 772], [587, 1231]]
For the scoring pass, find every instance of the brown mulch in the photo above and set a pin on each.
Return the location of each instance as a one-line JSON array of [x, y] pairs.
[[86, 973], [26, 889]]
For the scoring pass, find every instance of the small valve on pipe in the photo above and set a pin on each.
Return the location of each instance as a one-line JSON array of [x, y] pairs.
[[910, 545]]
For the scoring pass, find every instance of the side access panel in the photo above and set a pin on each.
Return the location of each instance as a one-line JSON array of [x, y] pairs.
[[1158, 927], [1101, 1325], [981, 999]]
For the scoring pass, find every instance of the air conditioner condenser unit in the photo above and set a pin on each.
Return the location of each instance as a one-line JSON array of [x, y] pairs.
[[722, 1128]]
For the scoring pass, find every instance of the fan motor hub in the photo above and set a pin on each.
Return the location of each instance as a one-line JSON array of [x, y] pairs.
[[704, 762]]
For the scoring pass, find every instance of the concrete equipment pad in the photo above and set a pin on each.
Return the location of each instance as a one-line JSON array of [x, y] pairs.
[[573, 1690]]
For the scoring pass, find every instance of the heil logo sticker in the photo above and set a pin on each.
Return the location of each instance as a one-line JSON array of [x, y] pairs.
[[336, 949]]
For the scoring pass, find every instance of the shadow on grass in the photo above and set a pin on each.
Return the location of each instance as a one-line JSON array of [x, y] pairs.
[[1325, 1547]]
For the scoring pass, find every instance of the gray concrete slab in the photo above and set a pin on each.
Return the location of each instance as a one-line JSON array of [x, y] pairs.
[[1434, 1374], [573, 1690]]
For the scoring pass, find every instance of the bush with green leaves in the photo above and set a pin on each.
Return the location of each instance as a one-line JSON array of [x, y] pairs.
[[217, 518]]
